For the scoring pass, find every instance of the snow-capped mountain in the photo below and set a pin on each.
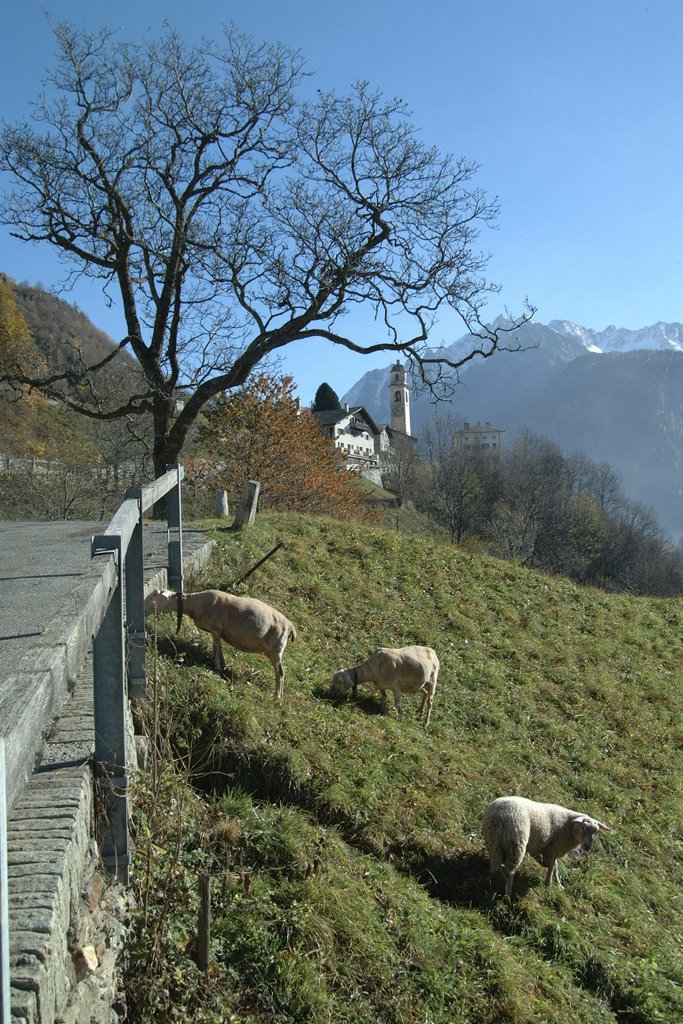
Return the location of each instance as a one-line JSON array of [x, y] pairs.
[[621, 339]]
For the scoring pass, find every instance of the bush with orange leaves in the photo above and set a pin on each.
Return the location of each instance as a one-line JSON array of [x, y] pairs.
[[260, 433]]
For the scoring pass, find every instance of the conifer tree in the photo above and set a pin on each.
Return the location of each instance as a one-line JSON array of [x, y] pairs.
[[326, 399]]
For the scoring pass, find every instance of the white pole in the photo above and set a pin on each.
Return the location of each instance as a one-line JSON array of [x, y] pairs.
[[4, 895]]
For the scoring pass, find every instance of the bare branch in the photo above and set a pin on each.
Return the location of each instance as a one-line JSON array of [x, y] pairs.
[[233, 220]]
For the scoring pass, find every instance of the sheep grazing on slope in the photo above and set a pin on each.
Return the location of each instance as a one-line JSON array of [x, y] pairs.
[[243, 622], [514, 826], [402, 670]]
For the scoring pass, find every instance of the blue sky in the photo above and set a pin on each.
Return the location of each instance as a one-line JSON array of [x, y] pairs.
[[571, 107]]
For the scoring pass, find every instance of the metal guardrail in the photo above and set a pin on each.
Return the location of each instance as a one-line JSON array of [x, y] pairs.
[[107, 605], [119, 653]]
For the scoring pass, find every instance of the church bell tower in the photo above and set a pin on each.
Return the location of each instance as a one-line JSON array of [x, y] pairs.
[[400, 399]]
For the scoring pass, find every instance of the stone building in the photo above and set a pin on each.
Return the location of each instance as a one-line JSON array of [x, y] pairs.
[[481, 437]]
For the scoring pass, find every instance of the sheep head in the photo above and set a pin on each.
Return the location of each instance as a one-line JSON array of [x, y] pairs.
[[159, 601], [585, 830], [343, 681]]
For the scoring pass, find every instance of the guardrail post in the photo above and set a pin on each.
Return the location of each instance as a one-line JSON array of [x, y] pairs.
[[4, 896], [109, 672], [174, 519], [135, 604]]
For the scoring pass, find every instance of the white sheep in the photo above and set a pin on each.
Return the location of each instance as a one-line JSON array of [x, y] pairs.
[[400, 669], [243, 622], [514, 826]]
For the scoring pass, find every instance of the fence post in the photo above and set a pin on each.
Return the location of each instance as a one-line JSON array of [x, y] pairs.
[[222, 508], [4, 895], [174, 519], [246, 513], [109, 672], [135, 604]]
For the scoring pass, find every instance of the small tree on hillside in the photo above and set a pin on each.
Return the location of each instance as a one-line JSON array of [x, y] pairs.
[[18, 353], [458, 485], [231, 218], [326, 399], [260, 433]]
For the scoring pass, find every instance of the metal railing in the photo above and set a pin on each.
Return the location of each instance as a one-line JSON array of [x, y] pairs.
[[119, 653]]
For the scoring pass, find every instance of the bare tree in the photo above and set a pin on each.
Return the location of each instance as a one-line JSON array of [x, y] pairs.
[[532, 517], [456, 485], [402, 469], [231, 219]]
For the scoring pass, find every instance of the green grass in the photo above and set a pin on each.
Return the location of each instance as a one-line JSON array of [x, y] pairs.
[[348, 872]]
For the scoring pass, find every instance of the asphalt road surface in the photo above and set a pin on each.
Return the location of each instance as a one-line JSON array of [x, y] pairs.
[[40, 563]]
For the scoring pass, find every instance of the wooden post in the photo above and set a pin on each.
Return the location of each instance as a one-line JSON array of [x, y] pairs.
[[174, 518], [204, 924], [135, 604], [109, 673]]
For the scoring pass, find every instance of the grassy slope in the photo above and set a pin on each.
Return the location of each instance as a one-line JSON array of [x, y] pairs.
[[348, 872]]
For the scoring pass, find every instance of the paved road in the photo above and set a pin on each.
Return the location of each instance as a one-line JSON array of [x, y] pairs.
[[39, 565]]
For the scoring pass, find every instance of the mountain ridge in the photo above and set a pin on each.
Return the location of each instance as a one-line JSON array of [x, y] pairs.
[[622, 339]]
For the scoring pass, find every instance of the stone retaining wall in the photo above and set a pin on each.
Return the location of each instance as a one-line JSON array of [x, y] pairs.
[[68, 923]]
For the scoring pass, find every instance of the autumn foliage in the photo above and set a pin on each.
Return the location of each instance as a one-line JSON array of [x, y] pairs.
[[260, 433], [18, 353]]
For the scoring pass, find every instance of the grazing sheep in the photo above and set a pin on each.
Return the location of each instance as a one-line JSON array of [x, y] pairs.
[[513, 826], [402, 670], [243, 622]]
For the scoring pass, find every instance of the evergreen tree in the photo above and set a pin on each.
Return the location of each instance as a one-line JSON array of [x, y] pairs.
[[326, 399]]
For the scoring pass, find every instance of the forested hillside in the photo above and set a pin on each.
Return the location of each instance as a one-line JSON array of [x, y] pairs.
[[81, 463], [65, 337], [349, 881]]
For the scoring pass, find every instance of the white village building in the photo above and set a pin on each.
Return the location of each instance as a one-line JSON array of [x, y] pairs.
[[363, 441], [366, 444]]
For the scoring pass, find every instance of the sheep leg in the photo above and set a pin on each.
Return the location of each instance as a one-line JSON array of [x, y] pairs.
[[552, 870], [218, 657], [496, 866], [511, 855], [397, 697], [429, 696], [275, 657], [384, 704], [279, 677]]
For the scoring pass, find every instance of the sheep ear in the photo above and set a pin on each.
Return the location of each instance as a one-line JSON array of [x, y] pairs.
[[584, 819]]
